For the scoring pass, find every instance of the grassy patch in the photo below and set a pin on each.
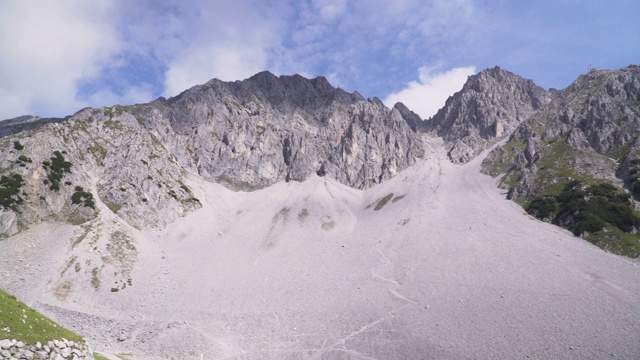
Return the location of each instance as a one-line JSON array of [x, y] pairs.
[[99, 153], [382, 202], [95, 278], [501, 164], [114, 207], [20, 322], [235, 185], [121, 247], [113, 124]]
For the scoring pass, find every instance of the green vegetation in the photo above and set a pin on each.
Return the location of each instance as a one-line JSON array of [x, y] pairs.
[[23, 161], [236, 185], [634, 178], [382, 202], [17, 145], [602, 213], [82, 197], [510, 148], [114, 207], [185, 187], [20, 322], [238, 106], [173, 194], [122, 253], [10, 191], [543, 207], [98, 152], [95, 278], [56, 169], [85, 231], [113, 124]]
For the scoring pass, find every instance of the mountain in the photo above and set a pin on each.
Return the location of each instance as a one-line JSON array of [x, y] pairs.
[[245, 134], [279, 217], [490, 105], [575, 162]]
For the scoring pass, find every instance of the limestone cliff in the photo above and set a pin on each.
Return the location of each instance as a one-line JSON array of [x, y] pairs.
[[490, 105], [134, 161]]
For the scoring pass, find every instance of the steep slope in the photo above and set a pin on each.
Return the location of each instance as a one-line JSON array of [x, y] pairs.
[[556, 162], [489, 107], [133, 160], [421, 266]]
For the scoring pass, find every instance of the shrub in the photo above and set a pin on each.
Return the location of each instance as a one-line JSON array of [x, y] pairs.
[[56, 168], [82, 197], [10, 191], [17, 145], [586, 208], [542, 207]]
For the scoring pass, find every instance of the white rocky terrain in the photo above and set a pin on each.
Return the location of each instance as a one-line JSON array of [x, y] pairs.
[[283, 218], [445, 268]]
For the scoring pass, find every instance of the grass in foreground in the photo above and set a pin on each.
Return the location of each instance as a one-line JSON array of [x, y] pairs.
[[20, 322]]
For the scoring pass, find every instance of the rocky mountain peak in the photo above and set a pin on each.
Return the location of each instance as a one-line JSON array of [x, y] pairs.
[[413, 120], [489, 106], [583, 146]]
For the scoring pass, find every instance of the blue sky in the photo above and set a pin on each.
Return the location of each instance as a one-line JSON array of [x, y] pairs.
[[60, 56]]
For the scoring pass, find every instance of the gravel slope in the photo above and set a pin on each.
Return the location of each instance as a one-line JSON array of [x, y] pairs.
[[452, 270]]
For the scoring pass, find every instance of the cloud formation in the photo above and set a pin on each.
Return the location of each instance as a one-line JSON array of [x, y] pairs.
[[61, 55], [48, 47], [226, 40], [427, 95]]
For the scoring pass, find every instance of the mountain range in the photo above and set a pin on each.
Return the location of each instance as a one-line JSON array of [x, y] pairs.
[[148, 227]]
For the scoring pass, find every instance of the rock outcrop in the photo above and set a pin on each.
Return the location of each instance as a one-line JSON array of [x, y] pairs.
[[590, 130], [490, 105], [586, 137], [250, 134]]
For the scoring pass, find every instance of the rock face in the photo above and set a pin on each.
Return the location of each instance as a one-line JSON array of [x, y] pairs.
[[587, 136], [134, 161], [490, 105], [250, 134], [593, 124]]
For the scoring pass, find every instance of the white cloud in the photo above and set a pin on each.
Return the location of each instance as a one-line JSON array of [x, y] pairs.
[[427, 95], [48, 47], [131, 95], [330, 9], [223, 40]]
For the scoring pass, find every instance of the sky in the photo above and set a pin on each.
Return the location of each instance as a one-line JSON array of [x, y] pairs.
[[58, 56]]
